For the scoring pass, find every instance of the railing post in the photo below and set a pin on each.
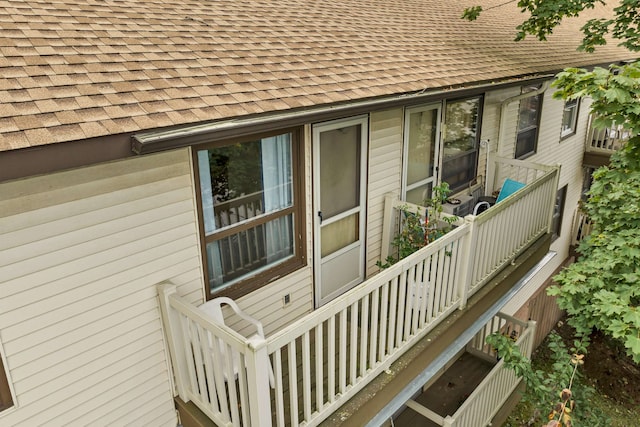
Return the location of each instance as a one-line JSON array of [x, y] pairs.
[[532, 326], [468, 260], [387, 225], [556, 180], [174, 337], [258, 368], [448, 421]]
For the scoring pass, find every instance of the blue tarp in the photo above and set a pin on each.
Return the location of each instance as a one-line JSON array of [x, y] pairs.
[[508, 188]]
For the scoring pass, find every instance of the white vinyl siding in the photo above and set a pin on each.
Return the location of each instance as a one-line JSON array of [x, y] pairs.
[[81, 253], [385, 174], [569, 154]]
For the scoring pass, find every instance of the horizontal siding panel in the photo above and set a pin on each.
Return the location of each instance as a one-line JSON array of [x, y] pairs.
[[61, 409], [80, 285], [148, 340], [156, 417], [73, 241], [54, 189], [60, 335], [81, 253], [88, 213], [266, 304], [385, 176], [139, 399], [131, 248], [132, 294], [142, 410], [95, 252]]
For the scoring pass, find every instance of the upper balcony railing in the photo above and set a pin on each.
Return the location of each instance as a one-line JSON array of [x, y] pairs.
[[323, 359], [607, 140]]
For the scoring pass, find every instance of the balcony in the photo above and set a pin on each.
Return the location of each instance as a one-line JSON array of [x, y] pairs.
[[324, 359], [600, 144]]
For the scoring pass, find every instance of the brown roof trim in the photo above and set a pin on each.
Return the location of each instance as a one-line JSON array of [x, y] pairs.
[[176, 137], [51, 158]]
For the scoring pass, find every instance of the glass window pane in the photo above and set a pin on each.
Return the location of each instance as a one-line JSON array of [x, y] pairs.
[[339, 234], [461, 122], [418, 195], [249, 251], [241, 181], [339, 170], [421, 148], [460, 157]]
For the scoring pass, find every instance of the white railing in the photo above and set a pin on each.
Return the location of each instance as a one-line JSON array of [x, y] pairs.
[[509, 227], [482, 405], [607, 140], [582, 226], [326, 357]]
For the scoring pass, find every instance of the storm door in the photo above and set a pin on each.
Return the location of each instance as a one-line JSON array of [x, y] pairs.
[[340, 155]]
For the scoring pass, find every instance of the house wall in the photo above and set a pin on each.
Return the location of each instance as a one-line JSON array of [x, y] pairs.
[[568, 153], [80, 254], [385, 175]]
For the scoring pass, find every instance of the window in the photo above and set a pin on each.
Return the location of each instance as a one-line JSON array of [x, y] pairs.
[[558, 211], [528, 123], [422, 136], [569, 117], [5, 393], [460, 142], [251, 211]]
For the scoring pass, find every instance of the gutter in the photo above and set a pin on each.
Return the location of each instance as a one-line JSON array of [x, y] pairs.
[[159, 140]]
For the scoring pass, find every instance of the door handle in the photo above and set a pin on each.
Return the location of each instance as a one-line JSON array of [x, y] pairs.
[[320, 215]]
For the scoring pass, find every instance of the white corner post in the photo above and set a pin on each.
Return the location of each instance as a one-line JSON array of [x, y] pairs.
[[175, 339], [258, 368], [388, 223], [468, 257], [556, 181]]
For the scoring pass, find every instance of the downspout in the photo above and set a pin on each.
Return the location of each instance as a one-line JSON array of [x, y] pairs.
[[501, 130]]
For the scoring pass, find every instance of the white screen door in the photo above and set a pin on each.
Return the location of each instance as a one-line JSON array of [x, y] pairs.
[[340, 155]]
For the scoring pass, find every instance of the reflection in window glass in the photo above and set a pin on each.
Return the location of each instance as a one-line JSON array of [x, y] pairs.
[[569, 118], [247, 195], [528, 123], [460, 157]]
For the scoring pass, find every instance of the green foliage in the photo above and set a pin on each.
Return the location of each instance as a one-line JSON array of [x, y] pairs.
[[601, 289], [560, 392], [544, 16], [421, 227]]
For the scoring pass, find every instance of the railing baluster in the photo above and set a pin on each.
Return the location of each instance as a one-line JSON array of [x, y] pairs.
[[342, 354], [364, 334], [331, 358], [279, 389], [384, 321], [375, 297], [293, 382], [319, 350], [393, 304], [306, 375], [353, 340]]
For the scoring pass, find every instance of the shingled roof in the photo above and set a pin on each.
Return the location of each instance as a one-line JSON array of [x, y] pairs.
[[77, 69]]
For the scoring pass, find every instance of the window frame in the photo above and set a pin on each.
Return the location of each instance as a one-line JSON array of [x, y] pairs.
[[565, 133], [558, 212], [269, 274], [476, 150], [518, 153]]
